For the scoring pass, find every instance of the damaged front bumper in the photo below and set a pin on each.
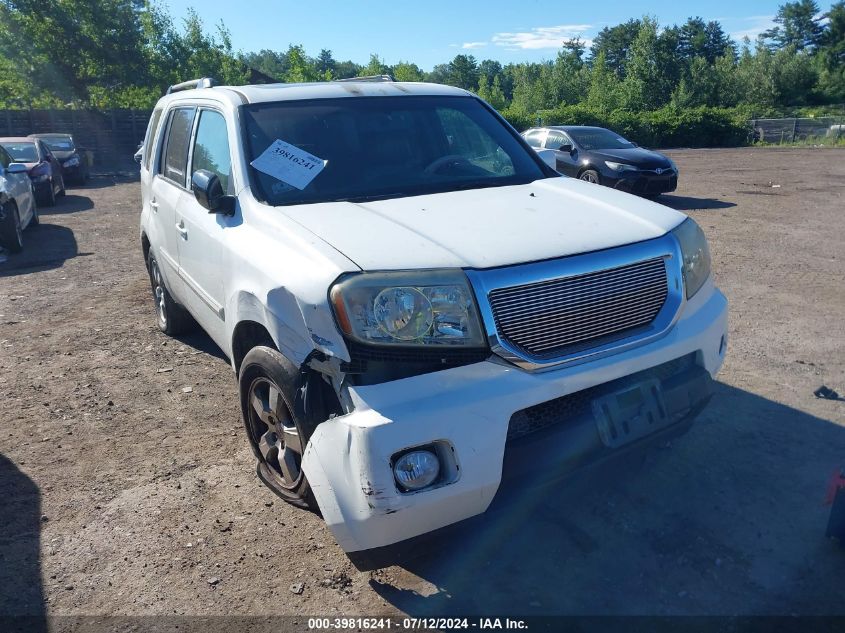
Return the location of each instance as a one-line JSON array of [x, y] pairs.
[[499, 422]]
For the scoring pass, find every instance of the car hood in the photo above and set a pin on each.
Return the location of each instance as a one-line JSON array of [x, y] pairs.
[[484, 228], [642, 158]]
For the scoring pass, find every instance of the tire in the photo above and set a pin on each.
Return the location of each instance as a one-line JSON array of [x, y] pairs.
[[276, 434], [171, 318], [50, 196], [36, 219], [11, 232], [590, 175]]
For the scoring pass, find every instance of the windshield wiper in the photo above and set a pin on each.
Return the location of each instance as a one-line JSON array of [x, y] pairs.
[[371, 197], [479, 184]]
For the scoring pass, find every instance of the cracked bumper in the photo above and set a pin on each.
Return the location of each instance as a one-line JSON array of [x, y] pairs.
[[347, 459]]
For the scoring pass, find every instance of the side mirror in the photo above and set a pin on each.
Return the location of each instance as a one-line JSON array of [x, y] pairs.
[[16, 168], [567, 148], [139, 154], [548, 157], [209, 193]]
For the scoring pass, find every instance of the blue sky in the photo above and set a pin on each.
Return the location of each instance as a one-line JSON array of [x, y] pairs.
[[434, 31]]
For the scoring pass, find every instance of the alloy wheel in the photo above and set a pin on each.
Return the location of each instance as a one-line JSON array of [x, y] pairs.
[[275, 433], [159, 294]]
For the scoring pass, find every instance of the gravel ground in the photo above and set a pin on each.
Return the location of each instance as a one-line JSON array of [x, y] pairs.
[[124, 492]]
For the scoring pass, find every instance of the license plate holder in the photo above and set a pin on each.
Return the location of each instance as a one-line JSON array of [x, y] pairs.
[[631, 413]]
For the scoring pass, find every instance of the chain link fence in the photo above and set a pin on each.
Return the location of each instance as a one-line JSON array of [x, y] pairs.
[[790, 130]]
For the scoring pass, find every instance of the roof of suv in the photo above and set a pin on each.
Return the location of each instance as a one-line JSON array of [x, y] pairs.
[[327, 90]]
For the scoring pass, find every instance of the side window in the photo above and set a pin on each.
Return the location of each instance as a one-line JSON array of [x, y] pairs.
[[5, 159], [175, 157], [149, 141], [211, 148]]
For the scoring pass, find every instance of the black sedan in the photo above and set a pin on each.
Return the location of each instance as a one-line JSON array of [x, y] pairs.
[[598, 155], [74, 165]]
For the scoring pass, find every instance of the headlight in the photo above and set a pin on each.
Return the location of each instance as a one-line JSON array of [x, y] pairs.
[[696, 254], [408, 309], [620, 166], [73, 162], [672, 164]]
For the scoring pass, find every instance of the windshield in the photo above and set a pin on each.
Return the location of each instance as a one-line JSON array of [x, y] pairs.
[[388, 147], [58, 143], [22, 152], [599, 138]]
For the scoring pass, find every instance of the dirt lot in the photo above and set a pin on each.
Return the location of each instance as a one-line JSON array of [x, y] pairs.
[[122, 492]]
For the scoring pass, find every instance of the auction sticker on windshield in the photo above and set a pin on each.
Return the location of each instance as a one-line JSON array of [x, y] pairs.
[[289, 164]]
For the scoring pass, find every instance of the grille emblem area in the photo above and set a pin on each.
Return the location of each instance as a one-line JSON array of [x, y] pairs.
[[542, 314]]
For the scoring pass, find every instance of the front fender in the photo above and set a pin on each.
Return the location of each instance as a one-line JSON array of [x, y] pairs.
[[297, 328]]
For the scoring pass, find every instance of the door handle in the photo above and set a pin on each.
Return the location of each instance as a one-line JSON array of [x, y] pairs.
[[182, 230], [154, 205]]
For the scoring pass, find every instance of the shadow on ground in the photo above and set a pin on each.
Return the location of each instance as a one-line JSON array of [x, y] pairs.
[[69, 203], [45, 246], [687, 203], [202, 342], [101, 180], [21, 592], [707, 525]]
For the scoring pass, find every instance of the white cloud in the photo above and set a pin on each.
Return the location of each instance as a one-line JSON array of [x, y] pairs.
[[540, 37], [474, 44], [752, 26]]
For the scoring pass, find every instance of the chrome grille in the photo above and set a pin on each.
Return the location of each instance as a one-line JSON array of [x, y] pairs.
[[550, 318]]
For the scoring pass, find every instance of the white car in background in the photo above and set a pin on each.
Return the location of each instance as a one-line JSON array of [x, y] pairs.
[[17, 203], [421, 312]]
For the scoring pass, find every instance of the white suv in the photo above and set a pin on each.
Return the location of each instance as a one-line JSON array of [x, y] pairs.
[[422, 314]]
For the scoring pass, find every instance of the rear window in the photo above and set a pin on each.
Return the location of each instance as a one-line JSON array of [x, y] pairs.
[[176, 149], [22, 152], [59, 143]]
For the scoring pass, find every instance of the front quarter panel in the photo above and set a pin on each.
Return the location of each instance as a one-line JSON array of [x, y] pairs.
[[280, 276]]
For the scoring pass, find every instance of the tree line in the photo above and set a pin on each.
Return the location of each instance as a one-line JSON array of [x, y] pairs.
[[124, 53]]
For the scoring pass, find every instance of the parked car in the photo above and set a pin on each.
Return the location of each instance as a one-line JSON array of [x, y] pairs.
[[601, 156], [73, 162], [17, 203], [44, 170], [422, 314]]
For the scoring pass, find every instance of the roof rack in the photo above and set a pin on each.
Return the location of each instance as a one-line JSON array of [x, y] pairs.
[[375, 78], [203, 82]]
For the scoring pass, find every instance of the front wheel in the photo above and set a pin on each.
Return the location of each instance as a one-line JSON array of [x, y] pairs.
[[36, 219], [275, 434], [11, 232], [50, 195], [590, 175]]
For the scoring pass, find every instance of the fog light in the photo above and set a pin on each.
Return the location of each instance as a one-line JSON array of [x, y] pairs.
[[416, 470]]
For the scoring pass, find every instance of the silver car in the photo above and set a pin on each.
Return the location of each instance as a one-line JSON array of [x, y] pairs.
[[17, 203]]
